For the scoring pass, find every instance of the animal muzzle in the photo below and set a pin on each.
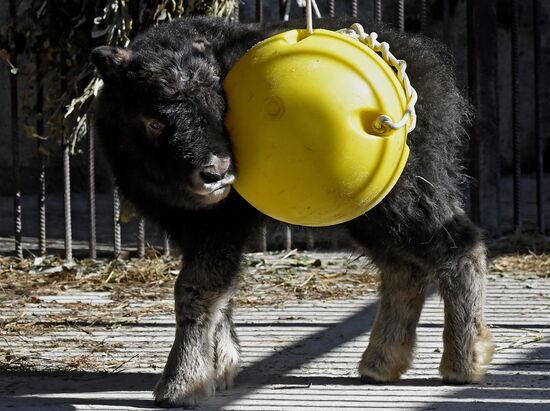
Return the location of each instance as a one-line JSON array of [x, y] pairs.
[[215, 175]]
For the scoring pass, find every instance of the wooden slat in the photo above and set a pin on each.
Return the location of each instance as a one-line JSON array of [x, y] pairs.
[[297, 355]]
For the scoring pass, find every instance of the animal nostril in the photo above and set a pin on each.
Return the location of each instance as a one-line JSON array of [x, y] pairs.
[[221, 164], [210, 176], [216, 170]]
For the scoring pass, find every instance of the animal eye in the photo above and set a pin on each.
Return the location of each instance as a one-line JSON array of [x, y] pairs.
[[155, 125]]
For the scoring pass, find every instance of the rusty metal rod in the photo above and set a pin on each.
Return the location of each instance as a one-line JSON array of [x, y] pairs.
[[401, 15], [288, 238], [117, 243], [378, 10], [259, 11], [310, 240], [67, 198], [14, 105], [92, 241], [41, 157], [167, 251], [423, 15], [263, 238], [141, 238]]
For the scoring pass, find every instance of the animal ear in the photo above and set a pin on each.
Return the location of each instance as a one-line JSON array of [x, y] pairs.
[[111, 62], [202, 46]]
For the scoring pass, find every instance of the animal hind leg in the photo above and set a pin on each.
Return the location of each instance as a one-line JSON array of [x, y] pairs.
[[467, 343]]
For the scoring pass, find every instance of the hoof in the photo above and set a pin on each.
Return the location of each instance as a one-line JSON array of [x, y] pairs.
[[366, 379], [460, 373], [371, 375], [176, 394], [225, 380]]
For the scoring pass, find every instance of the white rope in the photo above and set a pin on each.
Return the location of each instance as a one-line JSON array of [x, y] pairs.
[[302, 3], [384, 122], [309, 18]]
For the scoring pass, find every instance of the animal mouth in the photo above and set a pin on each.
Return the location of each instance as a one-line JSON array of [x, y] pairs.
[[211, 193]]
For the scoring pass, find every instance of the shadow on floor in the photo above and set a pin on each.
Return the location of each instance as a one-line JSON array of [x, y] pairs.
[[17, 386]]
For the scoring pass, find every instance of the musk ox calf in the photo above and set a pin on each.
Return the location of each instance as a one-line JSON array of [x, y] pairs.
[[160, 119]]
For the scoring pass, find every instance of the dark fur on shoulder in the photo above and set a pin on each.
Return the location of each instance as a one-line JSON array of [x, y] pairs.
[[160, 119]]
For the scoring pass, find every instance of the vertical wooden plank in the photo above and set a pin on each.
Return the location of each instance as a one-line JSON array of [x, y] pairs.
[[484, 139], [539, 146], [516, 144]]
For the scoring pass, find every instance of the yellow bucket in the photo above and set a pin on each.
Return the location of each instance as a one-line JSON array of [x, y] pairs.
[[301, 109]]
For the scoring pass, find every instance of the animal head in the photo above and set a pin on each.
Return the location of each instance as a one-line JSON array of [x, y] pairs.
[[160, 118]]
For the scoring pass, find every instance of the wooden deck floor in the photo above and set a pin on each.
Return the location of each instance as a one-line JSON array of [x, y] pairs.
[[295, 356]]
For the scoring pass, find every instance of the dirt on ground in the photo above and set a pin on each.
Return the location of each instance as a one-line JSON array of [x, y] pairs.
[[266, 278]]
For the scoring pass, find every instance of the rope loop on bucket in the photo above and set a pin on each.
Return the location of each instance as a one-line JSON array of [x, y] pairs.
[[384, 122]]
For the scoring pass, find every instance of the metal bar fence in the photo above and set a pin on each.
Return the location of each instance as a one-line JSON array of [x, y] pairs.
[[446, 22], [423, 15], [377, 10], [14, 105], [401, 15], [259, 11], [236, 12], [117, 238], [67, 200], [167, 250], [41, 200], [141, 237], [288, 238], [92, 242]]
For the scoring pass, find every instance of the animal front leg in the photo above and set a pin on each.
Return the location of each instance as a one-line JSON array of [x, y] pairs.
[[393, 336], [226, 350], [202, 292]]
